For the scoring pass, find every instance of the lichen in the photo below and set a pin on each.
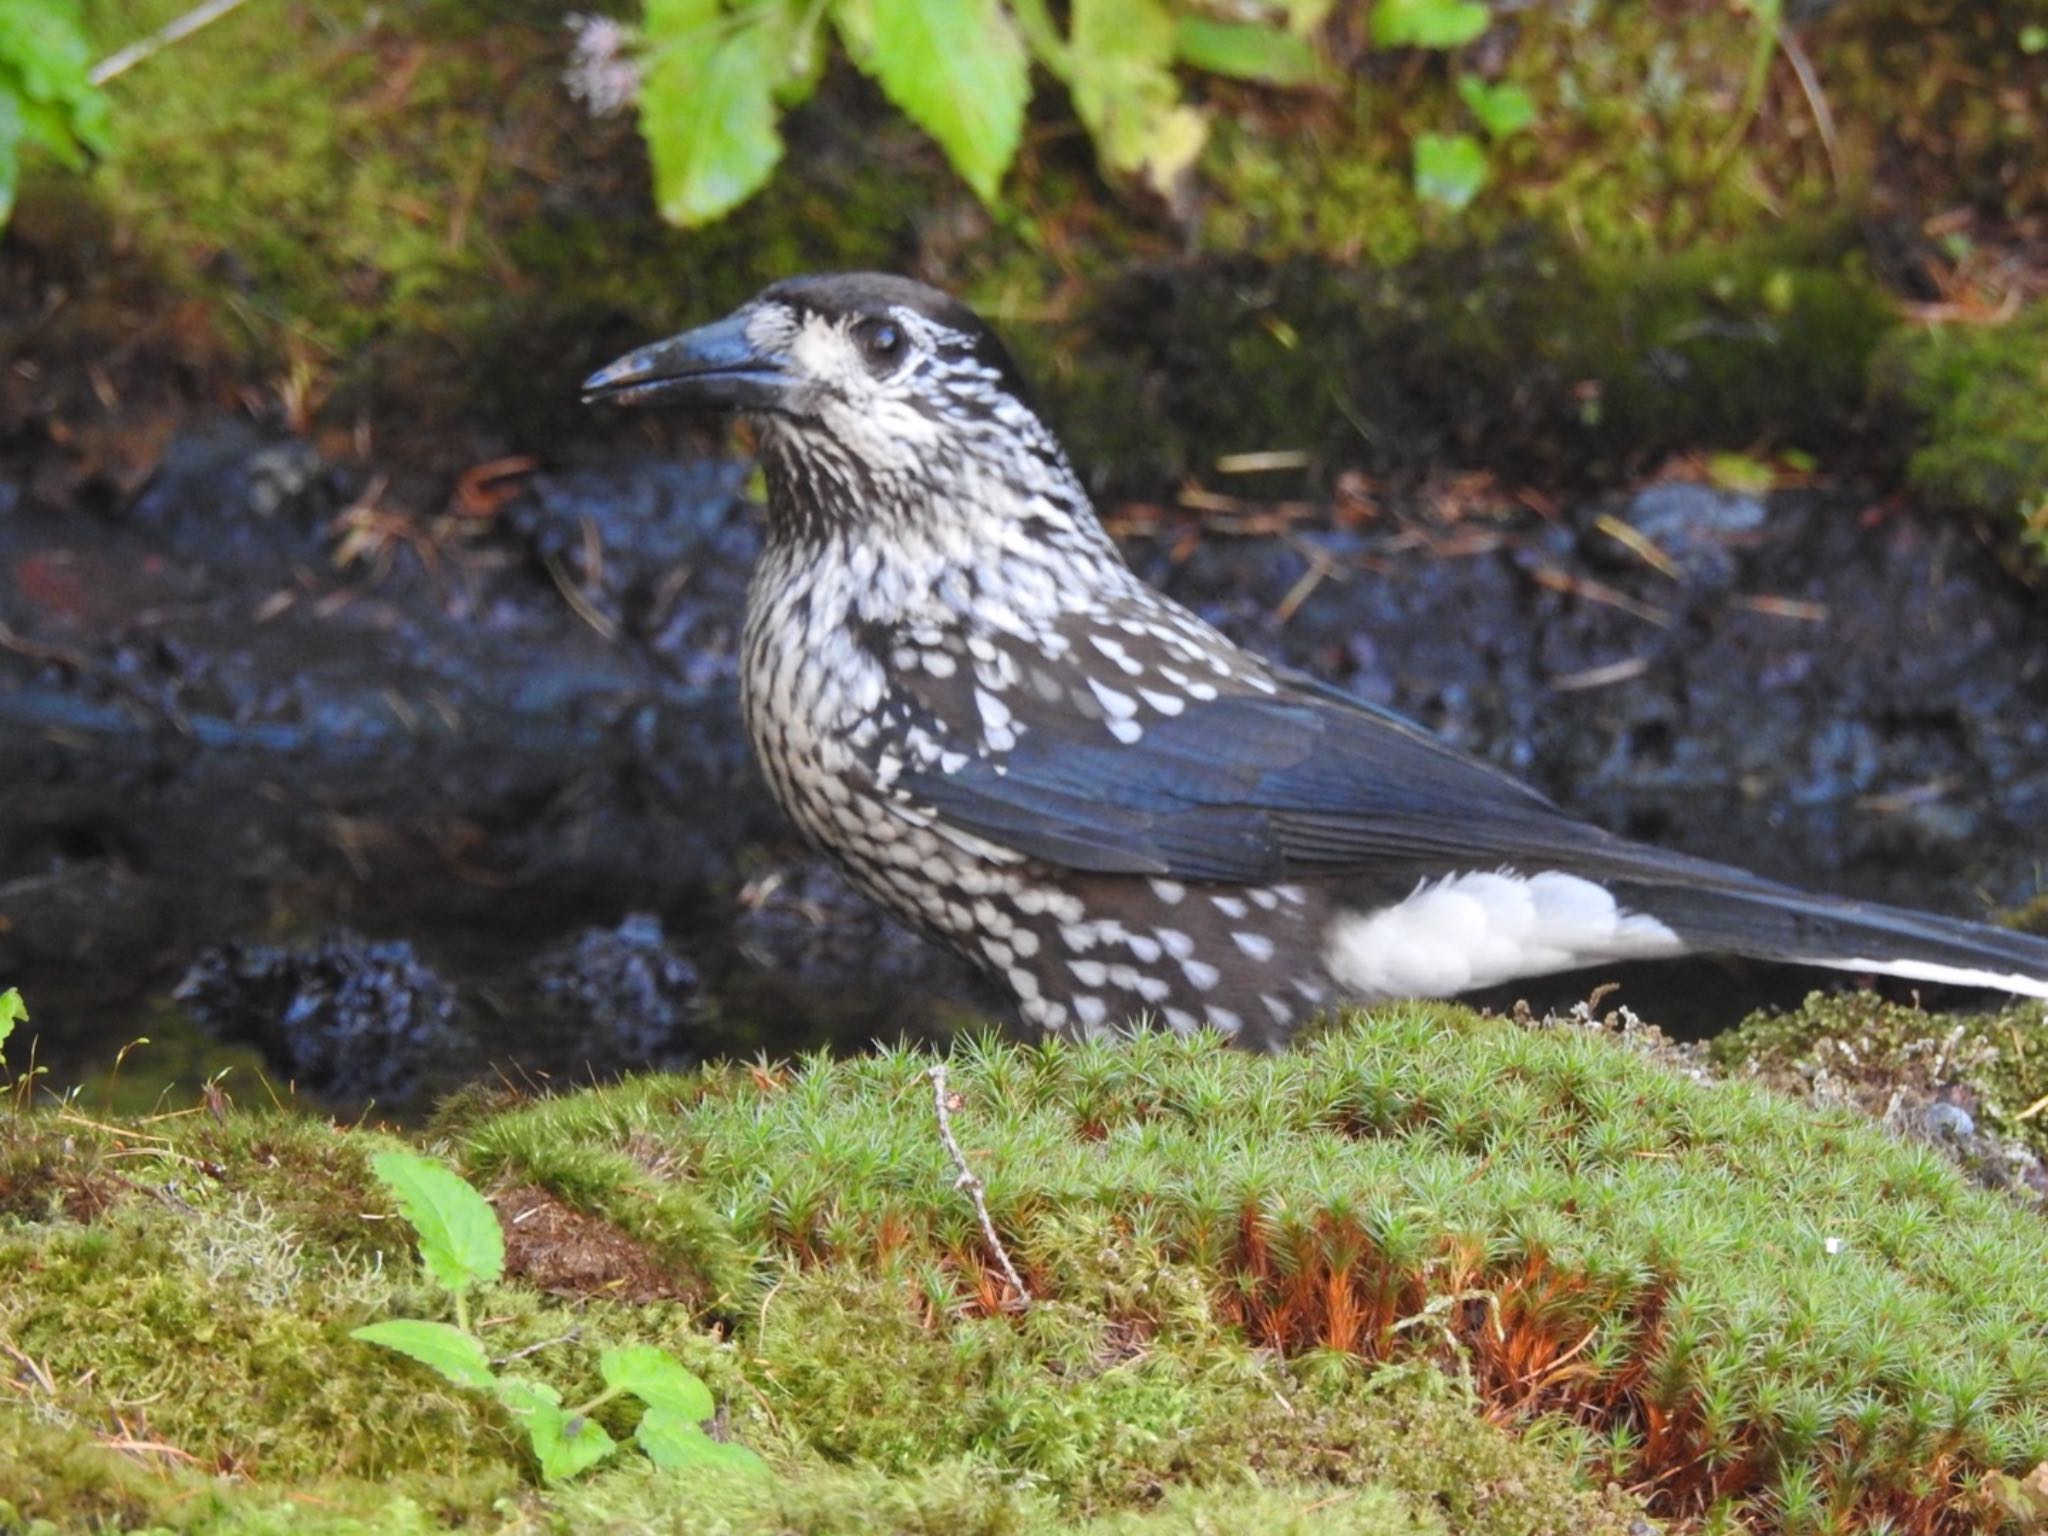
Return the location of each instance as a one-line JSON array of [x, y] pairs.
[[1898, 1061]]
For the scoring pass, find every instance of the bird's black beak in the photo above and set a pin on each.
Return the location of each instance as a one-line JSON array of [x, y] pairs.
[[713, 368]]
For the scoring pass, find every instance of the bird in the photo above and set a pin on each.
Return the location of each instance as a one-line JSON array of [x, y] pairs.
[[955, 685]]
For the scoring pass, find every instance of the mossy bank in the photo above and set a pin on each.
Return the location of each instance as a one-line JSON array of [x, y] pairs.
[[401, 216], [1431, 1273]]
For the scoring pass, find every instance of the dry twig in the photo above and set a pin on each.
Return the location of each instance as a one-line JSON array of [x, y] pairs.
[[185, 25], [970, 1181]]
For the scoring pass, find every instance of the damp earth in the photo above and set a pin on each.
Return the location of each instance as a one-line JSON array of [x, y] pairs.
[[481, 796]]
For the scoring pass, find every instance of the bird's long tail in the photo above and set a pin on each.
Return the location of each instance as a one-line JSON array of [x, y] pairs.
[[1767, 921]]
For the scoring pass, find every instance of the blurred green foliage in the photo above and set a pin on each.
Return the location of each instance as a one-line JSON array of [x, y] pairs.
[[717, 77], [47, 98], [1980, 394]]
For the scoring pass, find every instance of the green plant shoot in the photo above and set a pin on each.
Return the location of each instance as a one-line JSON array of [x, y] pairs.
[[463, 1247], [47, 98]]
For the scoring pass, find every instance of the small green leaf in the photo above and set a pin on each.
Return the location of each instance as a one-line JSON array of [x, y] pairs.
[[1125, 91], [958, 69], [1780, 292], [461, 1242], [1428, 23], [1740, 472], [659, 1380], [1450, 169], [45, 63], [12, 1010], [564, 1443], [707, 105], [1245, 51], [673, 1443], [47, 97], [457, 1355], [1503, 110]]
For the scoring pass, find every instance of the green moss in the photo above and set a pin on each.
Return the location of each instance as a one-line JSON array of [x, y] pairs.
[[1526, 355], [2031, 918], [404, 200], [1636, 149], [230, 1340], [1275, 1291], [1981, 394], [1325, 1198], [186, 1367], [1071, 1402]]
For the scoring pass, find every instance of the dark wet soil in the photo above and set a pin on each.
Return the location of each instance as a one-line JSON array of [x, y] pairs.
[[508, 738]]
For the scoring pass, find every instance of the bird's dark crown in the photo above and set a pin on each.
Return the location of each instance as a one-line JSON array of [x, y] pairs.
[[854, 295]]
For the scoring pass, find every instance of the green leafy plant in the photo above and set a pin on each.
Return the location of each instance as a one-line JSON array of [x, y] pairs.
[[463, 1248], [717, 74], [1503, 110], [1450, 169], [1428, 23], [47, 98], [12, 1012]]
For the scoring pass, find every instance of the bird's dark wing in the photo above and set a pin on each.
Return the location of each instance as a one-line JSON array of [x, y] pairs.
[[1246, 788], [1251, 775]]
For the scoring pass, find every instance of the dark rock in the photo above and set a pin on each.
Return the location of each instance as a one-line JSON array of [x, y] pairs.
[[1942, 1120], [1698, 528], [807, 922], [659, 550], [347, 1017], [231, 494], [629, 995]]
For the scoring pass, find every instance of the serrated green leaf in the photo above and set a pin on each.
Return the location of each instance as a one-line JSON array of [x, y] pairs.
[[1428, 23], [1450, 169], [457, 1355], [802, 50], [659, 1380], [564, 1443], [13, 1010], [44, 42], [46, 62], [1245, 51], [958, 69], [1041, 34], [47, 97], [48, 125], [461, 1242], [1125, 91], [707, 106], [1503, 110], [673, 1443]]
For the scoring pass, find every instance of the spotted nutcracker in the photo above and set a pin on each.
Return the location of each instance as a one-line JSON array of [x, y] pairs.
[[955, 684]]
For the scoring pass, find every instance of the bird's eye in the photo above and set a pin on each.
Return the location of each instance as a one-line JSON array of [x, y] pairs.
[[882, 340]]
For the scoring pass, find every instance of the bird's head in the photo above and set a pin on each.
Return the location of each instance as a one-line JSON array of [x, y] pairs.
[[861, 384]]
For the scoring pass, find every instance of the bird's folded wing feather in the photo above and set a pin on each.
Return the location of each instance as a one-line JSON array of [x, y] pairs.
[[1250, 786], [1245, 785]]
